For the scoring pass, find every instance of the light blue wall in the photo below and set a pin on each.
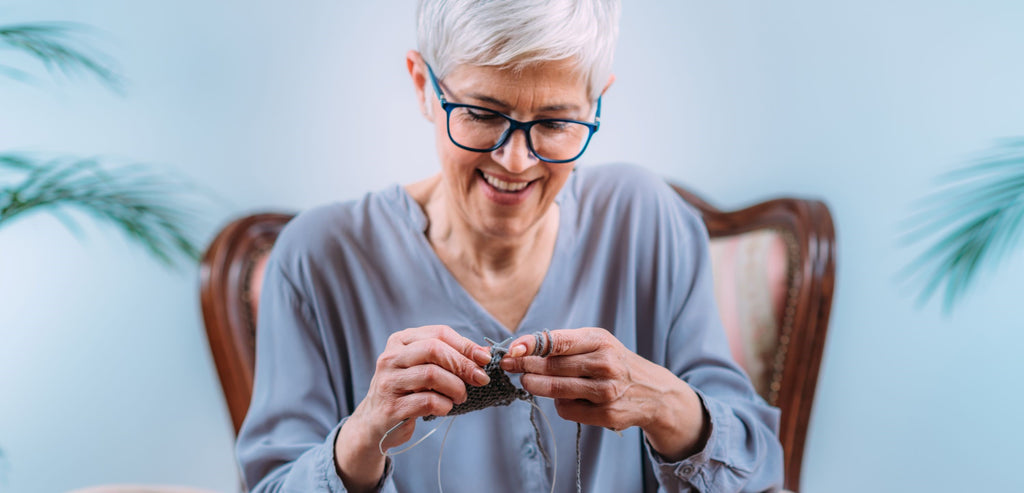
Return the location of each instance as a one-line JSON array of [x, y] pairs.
[[105, 374]]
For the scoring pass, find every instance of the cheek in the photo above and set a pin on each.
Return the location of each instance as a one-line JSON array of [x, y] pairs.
[[454, 160], [440, 134], [560, 174], [457, 164]]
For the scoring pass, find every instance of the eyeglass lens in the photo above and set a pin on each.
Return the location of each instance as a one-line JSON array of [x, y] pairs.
[[481, 129]]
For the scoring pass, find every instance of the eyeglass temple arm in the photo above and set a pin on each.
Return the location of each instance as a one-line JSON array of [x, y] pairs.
[[437, 87]]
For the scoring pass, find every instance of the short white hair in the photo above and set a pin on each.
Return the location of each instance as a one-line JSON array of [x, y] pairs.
[[516, 33]]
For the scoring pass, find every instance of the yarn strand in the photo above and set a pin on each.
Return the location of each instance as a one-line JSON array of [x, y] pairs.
[[579, 465], [551, 433], [380, 445], [536, 434], [440, 454]]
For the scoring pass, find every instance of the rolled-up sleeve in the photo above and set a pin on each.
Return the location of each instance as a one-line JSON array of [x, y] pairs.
[[718, 467]]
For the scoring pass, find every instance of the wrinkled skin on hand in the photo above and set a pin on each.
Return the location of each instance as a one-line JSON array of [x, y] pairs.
[[595, 380], [423, 371]]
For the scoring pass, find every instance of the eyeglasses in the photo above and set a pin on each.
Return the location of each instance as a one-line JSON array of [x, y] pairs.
[[552, 140]]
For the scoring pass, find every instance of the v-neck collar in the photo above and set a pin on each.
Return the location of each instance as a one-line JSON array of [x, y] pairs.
[[546, 299]]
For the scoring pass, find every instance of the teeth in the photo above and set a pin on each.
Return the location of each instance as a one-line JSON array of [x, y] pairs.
[[504, 186]]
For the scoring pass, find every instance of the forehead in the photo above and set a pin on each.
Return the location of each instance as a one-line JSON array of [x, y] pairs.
[[552, 83]]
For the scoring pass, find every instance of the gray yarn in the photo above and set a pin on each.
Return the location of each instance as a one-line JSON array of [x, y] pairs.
[[579, 480], [499, 392], [536, 435]]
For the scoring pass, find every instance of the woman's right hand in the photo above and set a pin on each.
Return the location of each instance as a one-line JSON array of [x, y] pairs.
[[423, 371]]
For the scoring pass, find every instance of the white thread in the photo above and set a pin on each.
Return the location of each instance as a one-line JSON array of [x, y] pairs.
[[380, 445], [440, 453]]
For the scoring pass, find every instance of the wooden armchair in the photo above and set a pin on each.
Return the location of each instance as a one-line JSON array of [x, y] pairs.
[[774, 265], [230, 278], [774, 270]]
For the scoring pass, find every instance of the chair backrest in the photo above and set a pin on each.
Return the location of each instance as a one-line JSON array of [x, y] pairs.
[[773, 263], [231, 275], [774, 270]]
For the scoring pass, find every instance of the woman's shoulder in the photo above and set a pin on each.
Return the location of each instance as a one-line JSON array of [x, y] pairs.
[[629, 191], [617, 176], [326, 230]]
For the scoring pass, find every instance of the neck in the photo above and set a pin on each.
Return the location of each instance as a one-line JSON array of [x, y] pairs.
[[490, 257]]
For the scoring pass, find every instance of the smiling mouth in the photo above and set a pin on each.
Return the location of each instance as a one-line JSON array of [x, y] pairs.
[[504, 186]]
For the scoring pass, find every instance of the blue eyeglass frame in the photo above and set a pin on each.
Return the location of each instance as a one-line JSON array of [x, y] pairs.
[[513, 124]]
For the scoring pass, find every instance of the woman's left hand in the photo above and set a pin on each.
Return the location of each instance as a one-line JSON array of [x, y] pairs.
[[595, 380]]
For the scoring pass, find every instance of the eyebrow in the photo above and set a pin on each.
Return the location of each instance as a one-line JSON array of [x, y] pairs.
[[502, 104]]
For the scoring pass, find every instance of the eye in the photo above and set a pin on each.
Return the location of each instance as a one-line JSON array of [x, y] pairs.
[[482, 115], [555, 125]]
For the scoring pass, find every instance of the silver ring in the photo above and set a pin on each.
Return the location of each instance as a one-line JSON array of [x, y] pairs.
[[548, 345]]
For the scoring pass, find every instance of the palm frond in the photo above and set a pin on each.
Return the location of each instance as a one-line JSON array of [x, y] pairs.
[[973, 221], [16, 161], [52, 44], [139, 202], [13, 73]]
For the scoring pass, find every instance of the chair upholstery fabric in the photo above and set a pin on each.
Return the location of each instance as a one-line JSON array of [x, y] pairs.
[[752, 277]]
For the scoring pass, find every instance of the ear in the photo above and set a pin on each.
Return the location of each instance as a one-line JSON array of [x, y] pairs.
[[611, 79], [418, 71]]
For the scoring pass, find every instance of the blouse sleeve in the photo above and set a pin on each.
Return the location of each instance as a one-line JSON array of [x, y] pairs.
[[286, 442], [742, 452]]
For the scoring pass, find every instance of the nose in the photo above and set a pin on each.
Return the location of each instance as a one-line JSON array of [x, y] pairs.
[[515, 155]]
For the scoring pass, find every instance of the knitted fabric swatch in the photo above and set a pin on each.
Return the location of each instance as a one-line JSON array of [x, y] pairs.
[[499, 392]]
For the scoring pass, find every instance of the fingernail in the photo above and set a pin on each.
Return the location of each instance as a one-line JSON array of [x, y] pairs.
[[482, 356], [480, 378], [517, 350]]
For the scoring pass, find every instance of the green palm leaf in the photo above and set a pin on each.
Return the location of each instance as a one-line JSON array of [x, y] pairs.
[[51, 44], [973, 221], [138, 201]]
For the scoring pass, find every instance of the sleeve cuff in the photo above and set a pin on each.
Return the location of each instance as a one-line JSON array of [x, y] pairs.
[[696, 469], [330, 470]]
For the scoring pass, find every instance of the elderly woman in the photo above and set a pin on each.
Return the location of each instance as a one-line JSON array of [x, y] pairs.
[[375, 312]]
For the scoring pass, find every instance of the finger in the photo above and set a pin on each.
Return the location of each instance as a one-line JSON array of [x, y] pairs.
[[399, 435], [596, 391], [437, 352], [466, 347], [422, 404], [563, 342], [588, 413], [591, 365], [433, 378]]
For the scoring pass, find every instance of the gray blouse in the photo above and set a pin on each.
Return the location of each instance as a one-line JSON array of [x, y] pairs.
[[630, 257]]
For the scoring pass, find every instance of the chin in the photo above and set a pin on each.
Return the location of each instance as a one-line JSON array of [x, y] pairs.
[[507, 222]]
